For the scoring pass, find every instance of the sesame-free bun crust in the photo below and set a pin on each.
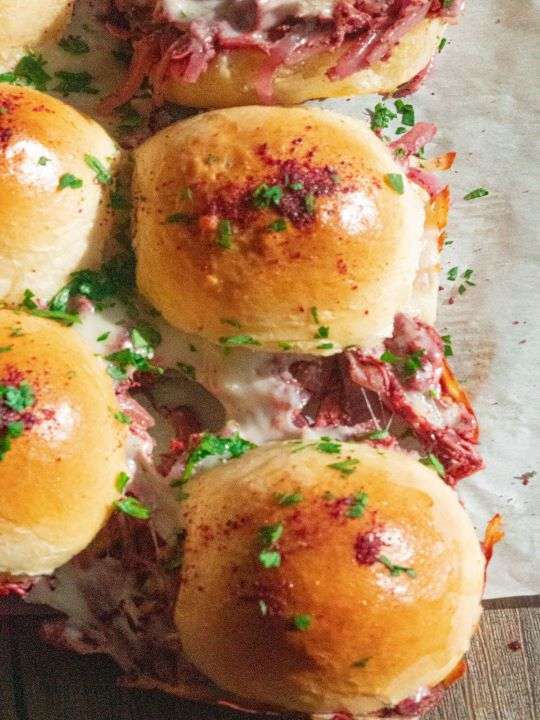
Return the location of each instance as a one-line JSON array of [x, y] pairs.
[[29, 25], [230, 77], [354, 258], [407, 632], [48, 233], [57, 482]]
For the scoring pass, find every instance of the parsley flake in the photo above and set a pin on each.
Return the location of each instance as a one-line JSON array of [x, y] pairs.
[[74, 44], [264, 196], [121, 481], [395, 181], [302, 622], [75, 82], [224, 234], [67, 180], [381, 116], [237, 340], [133, 507], [287, 499], [345, 467], [103, 176], [474, 194], [396, 570], [213, 445], [358, 505], [434, 463]]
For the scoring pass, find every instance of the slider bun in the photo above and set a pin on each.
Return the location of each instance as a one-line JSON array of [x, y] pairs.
[[28, 25], [409, 632], [230, 77], [57, 482], [354, 257], [47, 233]]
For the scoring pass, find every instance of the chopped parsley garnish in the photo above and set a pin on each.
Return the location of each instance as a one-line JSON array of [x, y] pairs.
[[434, 463], [378, 435], [67, 180], [278, 225], [381, 116], [104, 336], [400, 130], [410, 364], [325, 346], [345, 467], [121, 360], [103, 176], [270, 559], [43, 160], [302, 622], [270, 534], [6, 348], [322, 332], [358, 505], [237, 340], [12, 430], [328, 445], [75, 82], [133, 507], [395, 181], [310, 203], [130, 119], [406, 111], [214, 445], [74, 44], [287, 499], [296, 186], [360, 663], [116, 278], [122, 417], [478, 193], [52, 312], [30, 70], [224, 234], [285, 345], [447, 345], [396, 570], [17, 398], [452, 274], [442, 43], [121, 481], [465, 276], [315, 314], [187, 370], [179, 217], [264, 196]]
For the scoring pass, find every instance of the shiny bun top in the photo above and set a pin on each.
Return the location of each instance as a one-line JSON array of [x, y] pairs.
[[326, 576], [56, 170], [61, 446], [283, 228]]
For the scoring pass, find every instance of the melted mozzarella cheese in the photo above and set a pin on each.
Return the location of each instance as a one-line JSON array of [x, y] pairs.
[[240, 13]]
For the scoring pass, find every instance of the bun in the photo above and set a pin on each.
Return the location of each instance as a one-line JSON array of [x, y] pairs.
[[331, 628], [49, 232], [28, 25], [342, 240], [229, 79], [57, 481]]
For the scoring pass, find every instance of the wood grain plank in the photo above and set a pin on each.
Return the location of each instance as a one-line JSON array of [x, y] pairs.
[[501, 684], [8, 709]]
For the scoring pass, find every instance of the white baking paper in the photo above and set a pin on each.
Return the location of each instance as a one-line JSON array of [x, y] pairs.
[[482, 95]]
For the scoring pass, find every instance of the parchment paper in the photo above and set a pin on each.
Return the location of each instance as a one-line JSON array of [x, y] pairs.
[[482, 96]]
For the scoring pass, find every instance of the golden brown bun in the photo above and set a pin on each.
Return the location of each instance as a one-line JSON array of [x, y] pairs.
[[57, 482], [28, 25], [375, 637], [354, 258], [47, 233], [229, 78]]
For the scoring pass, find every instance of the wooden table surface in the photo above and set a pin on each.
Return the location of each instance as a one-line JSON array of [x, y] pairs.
[[40, 683]]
